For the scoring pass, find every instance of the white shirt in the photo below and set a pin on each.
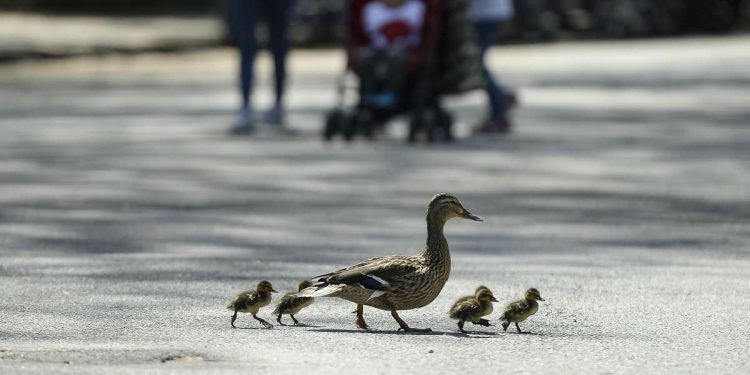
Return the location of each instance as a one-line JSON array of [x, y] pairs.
[[388, 26], [491, 10]]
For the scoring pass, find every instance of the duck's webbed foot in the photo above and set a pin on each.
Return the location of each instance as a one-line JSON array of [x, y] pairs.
[[405, 327], [296, 322], [361, 324], [279, 320], [483, 322], [265, 323], [518, 328]]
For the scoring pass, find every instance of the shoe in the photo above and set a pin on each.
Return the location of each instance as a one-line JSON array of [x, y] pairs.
[[243, 123], [274, 116], [511, 100], [494, 126]]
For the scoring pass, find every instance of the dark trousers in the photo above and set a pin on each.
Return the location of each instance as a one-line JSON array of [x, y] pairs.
[[486, 34], [243, 19]]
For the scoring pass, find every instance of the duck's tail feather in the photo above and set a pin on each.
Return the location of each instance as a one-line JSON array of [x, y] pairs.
[[321, 290]]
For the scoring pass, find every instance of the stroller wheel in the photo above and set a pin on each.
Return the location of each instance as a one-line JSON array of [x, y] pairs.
[[417, 125], [368, 130], [349, 128], [335, 122], [445, 122]]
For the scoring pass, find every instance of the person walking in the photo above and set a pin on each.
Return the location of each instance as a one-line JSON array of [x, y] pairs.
[[488, 16], [243, 19]]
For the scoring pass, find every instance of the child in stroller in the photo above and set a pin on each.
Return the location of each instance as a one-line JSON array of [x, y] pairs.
[[391, 51]]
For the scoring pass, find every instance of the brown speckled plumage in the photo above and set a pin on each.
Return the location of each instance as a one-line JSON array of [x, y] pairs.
[[291, 304], [520, 310], [398, 282], [251, 300], [473, 308]]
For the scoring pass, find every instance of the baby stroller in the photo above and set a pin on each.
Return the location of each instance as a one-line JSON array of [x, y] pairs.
[[385, 87]]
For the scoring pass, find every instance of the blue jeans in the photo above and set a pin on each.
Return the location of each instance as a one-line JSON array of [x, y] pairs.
[[486, 34], [243, 19]]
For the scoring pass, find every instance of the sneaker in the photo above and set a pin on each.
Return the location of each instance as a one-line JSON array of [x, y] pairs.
[[511, 99], [243, 123], [274, 116], [494, 126]]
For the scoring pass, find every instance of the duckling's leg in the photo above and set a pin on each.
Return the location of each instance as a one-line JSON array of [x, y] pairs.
[[234, 317], [505, 326], [360, 317], [279, 319], [461, 326], [405, 326], [482, 322], [265, 323], [296, 323], [518, 328]]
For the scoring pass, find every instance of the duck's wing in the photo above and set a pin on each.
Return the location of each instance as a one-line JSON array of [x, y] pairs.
[[465, 308], [375, 275], [515, 309], [244, 299]]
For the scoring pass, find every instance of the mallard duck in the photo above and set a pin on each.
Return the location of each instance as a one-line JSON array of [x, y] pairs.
[[291, 304], [518, 311], [250, 301], [473, 308], [398, 282]]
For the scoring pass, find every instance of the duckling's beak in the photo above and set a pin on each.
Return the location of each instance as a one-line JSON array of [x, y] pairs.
[[273, 290], [541, 299], [468, 215], [494, 299]]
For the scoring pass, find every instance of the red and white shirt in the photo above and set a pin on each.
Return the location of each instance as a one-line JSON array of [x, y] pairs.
[[400, 26]]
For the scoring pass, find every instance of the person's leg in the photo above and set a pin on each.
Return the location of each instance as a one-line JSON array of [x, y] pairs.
[[486, 32], [277, 18], [243, 16]]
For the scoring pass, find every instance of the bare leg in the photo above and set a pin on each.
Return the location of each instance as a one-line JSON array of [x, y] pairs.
[[360, 317], [518, 328], [461, 326], [234, 317], [405, 326], [505, 326], [296, 322], [279, 319], [265, 323]]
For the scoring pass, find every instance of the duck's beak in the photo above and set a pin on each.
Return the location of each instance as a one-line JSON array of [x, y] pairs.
[[541, 299], [494, 299], [273, 290], [468, 215]]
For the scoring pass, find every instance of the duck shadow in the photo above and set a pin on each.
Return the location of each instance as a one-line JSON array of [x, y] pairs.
[[468, 334], [255, 328], [301, 325]]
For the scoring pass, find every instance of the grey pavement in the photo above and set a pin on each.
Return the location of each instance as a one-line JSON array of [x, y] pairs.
[[128, 218]]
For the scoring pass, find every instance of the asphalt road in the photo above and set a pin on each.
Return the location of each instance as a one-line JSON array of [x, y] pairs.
[[128, 218]]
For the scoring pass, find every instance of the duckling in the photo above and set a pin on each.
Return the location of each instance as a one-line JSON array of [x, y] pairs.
[[519, 310], [291, 304], [398, 282], [250, 301], [476, 292], [473, 308]]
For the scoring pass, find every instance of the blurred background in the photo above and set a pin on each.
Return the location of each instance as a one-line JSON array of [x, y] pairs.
[[317, 22]]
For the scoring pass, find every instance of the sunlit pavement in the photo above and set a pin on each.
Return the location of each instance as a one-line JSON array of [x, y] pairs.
[[128, 217]]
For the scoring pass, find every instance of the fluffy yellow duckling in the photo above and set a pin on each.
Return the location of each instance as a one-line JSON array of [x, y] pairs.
[[518, 311], [291, 304], [473, 308], [250, 301]]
